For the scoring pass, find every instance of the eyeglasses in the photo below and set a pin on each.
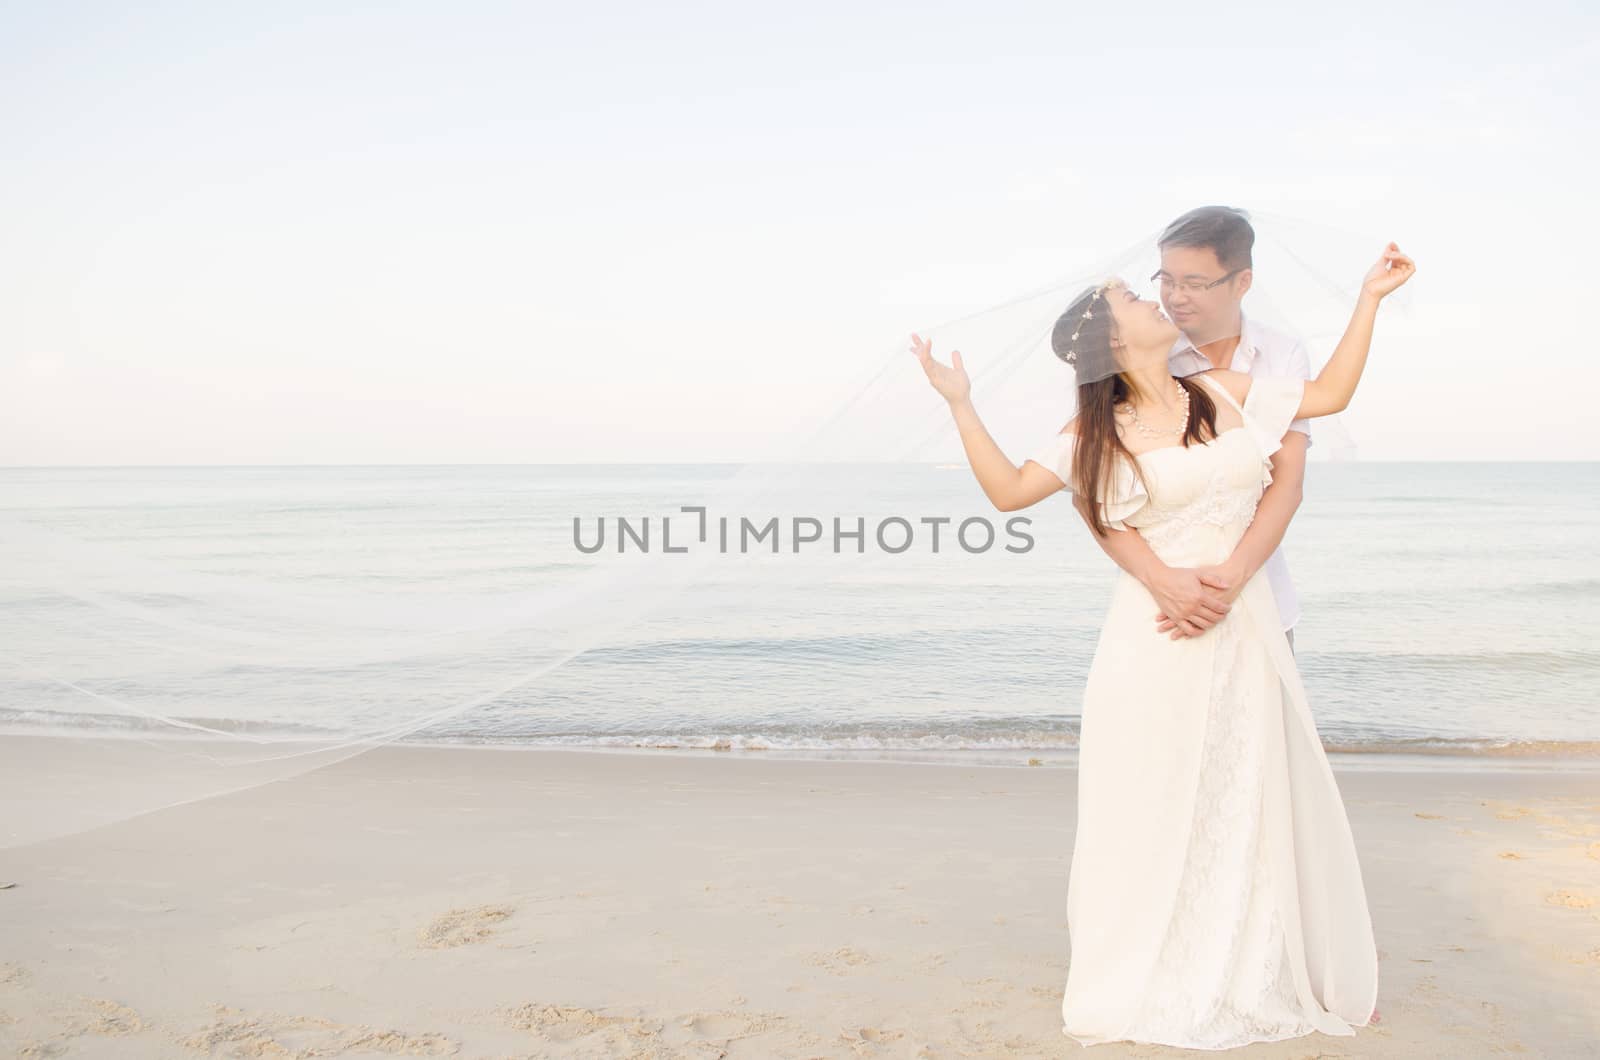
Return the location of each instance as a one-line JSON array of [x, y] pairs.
[[1190, 286]]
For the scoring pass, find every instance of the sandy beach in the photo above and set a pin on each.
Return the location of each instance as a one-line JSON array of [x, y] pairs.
[[481, 902]]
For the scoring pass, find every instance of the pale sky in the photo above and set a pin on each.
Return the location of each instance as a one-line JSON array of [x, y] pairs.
[[650, 232]]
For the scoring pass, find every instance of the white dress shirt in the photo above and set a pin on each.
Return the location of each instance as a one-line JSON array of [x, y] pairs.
[[1262, 352]]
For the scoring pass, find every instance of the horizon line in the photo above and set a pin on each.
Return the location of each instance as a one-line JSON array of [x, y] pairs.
[[704, 463]]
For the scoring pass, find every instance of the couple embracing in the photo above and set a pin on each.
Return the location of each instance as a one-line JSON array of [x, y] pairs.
[[1214, 896]]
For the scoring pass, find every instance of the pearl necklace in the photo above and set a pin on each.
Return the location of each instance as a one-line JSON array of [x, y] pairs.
[[1183, 424]]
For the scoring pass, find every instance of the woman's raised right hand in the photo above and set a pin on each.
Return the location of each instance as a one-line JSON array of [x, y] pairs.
[[949, 380]]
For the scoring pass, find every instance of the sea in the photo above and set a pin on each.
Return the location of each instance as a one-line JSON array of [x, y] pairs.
[[1450, 610]]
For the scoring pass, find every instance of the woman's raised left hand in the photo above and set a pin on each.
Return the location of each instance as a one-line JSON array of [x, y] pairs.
[[1392, 270]]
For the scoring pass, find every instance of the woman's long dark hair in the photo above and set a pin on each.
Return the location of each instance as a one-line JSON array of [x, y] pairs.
[[1099, 446]]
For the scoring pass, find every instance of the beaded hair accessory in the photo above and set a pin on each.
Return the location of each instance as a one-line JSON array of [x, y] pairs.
[[1071, 356]]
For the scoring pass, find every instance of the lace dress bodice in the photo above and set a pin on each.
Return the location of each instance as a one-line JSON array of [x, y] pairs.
[[1199, 500], [1193, 503]]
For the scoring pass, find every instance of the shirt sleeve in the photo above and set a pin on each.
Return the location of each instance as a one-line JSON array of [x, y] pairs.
[[1269, 412], [1300, 368]]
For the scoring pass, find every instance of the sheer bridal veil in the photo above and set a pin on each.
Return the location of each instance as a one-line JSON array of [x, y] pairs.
[[167, 667]]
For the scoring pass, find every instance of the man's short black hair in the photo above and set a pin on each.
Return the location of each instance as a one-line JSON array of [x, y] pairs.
[[1225, 230]]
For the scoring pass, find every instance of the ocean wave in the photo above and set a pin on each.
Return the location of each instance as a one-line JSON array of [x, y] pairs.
[[979, 737], [1468, 746], [88, 723]]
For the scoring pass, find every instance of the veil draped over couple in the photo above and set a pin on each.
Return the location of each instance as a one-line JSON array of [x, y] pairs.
[[1215, 897]]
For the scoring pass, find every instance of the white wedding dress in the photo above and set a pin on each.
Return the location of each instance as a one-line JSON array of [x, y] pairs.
[[1215, 898]]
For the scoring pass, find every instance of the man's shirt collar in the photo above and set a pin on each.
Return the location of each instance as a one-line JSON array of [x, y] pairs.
[[1244, 355]]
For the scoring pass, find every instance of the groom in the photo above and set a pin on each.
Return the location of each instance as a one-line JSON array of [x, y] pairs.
[[1204, 275]]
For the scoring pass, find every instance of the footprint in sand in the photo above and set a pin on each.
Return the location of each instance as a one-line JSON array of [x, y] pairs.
[[865, 1041], [235, 1032], [1569, 899], [463, 927], [565, 1024], [101, 1017], [988, 982], [1511, 855], [97, 1015], [85, 1016], [724, 1027], [841, 960]]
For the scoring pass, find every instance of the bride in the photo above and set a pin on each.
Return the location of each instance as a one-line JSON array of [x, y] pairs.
[[1215, 897]]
